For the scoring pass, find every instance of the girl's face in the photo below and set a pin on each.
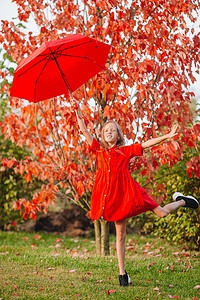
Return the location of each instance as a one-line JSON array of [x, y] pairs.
[[111, 134]]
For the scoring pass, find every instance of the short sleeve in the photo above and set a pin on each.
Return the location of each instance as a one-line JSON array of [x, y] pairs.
[[94, 146], [134, 150]]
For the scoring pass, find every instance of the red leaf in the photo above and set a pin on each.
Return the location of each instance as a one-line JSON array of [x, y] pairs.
[[71, 271], [15, 287], [108, 292], [98, 281], [197, 287], [84, 279], [37, 236]]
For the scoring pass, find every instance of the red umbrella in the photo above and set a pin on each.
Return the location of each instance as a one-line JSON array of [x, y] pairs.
[[58, 66]]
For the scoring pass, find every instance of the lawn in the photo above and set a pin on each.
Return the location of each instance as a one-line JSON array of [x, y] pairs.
[[39, 266]]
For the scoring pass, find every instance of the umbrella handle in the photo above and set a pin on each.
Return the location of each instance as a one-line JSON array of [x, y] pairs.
[[75, 106], [70, 93]]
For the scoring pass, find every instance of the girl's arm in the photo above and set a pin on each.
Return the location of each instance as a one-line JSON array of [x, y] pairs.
[[81, 123], [158, 140]]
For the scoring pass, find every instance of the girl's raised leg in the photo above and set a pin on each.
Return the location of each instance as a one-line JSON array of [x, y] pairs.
[[167, 209], [180, 200]]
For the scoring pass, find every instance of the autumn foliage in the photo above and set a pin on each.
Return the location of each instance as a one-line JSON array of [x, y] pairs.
[[154, 53]]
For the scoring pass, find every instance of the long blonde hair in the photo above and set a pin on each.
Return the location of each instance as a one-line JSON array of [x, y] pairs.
[[121, 140]]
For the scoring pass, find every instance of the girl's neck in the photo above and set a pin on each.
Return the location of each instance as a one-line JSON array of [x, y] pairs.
[[112, 145]]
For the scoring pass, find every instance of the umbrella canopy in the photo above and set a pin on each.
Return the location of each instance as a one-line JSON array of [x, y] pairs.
[[58, 67]]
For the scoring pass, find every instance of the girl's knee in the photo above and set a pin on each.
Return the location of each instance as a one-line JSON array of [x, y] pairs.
[[120, 231], [161, 212], [121, 236]]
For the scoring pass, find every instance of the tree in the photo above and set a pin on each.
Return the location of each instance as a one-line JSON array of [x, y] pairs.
[[144, 89], [12, 185]]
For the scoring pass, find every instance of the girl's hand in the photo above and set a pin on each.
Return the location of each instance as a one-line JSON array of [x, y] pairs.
[[76, 107], [173, 132]]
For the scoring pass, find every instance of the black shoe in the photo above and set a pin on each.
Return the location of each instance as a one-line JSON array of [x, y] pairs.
[[124, 280], [190, 201]]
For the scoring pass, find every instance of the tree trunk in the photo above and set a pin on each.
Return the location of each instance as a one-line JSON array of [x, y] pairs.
[[102, 237], [97, 229]]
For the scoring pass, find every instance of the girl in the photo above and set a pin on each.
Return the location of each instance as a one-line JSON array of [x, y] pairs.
[[116, 196]]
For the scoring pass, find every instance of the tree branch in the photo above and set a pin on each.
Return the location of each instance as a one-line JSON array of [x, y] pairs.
[[54, 164]]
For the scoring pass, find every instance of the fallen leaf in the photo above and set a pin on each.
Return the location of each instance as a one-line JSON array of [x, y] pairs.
[[37, 236], [15, 295], [108, 292], [84, 279], [129, 248], [71, 271], [15, 287], [197, 287], [194, 298], [88, 273], [175, 253], [156, 289], [40, 290]]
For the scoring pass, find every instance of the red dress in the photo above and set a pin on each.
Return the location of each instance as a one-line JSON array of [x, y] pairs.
[[116, 196]]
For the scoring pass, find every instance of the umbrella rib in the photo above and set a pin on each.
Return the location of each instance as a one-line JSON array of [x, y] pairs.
[[84, 57], [62, 74], [61, 50], [33, 66], [46, 56], [39, 78]]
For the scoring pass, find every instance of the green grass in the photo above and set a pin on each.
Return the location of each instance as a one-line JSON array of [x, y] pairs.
[[47, 268]]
